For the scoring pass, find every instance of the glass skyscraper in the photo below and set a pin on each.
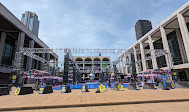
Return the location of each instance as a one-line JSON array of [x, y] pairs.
[[30, 20]]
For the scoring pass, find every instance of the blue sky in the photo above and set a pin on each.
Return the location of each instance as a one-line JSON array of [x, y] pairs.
[[92, 23]]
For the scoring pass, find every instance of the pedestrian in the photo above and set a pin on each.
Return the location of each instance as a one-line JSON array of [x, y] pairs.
[[109, 84]]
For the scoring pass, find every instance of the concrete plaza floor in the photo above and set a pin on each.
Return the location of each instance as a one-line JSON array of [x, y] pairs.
[[129, 98], [154, 107]]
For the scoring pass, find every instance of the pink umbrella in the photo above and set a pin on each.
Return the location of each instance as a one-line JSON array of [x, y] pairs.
[[139, 75], [111, 78], [38, 78], [127, 77]]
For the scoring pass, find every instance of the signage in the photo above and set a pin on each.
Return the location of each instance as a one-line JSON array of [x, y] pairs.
[[102, 88], [14, 77], [41, 89], [84, 88], [172, 86], [63, 89], [137, 86], [120, 87], [155, 87], [164, 81], [17, 91]]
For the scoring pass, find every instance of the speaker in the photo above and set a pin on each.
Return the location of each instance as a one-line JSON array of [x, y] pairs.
[[74, 74], [115, 72], [66, 68]]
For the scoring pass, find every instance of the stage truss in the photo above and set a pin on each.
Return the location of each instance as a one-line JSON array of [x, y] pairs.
[[152, 54], [31, 52]]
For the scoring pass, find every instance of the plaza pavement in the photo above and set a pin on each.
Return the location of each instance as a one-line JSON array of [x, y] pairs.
[[109, 101]]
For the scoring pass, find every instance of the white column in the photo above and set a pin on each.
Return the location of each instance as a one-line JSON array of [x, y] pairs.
[[29, 60], [181, 46], [143, 57], [122, 70], [118, 65], [154, 61], [184, 32], [165, 46], [83, 76], [135, 55], [126, 67], [2, 44]]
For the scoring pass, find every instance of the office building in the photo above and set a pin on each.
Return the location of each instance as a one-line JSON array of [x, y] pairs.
[[30, 20], [14, 36], [142, 27], [171, 35]]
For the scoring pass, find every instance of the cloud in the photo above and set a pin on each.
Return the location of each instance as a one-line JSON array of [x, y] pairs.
[[92, 23], [159, 3]]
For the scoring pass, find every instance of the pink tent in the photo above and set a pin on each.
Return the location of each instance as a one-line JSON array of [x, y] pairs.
[[127, 76], [112, 78], [140, 75]]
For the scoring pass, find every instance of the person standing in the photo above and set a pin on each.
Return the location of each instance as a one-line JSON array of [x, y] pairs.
[[109, 84]]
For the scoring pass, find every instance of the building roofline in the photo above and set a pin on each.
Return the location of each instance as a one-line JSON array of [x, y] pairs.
[[18, 24], [163, 23]]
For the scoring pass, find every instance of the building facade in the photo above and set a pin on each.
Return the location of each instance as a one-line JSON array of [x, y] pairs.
[[30, 20], [14, 36], [142, 27], [91, 64], [172, 35]]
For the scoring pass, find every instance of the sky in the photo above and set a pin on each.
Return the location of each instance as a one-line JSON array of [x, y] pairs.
[[92, 23]]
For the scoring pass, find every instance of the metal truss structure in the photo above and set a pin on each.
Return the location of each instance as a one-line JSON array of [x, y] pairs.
[[85, 62], [18, 61], [30, 52], [156, 52], [19, 56], [74, 62], [36, 57], [74, 50], [152, 54], [92, 68]]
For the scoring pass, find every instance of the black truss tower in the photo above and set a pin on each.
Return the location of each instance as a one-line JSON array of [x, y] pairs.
[[66, 69]]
